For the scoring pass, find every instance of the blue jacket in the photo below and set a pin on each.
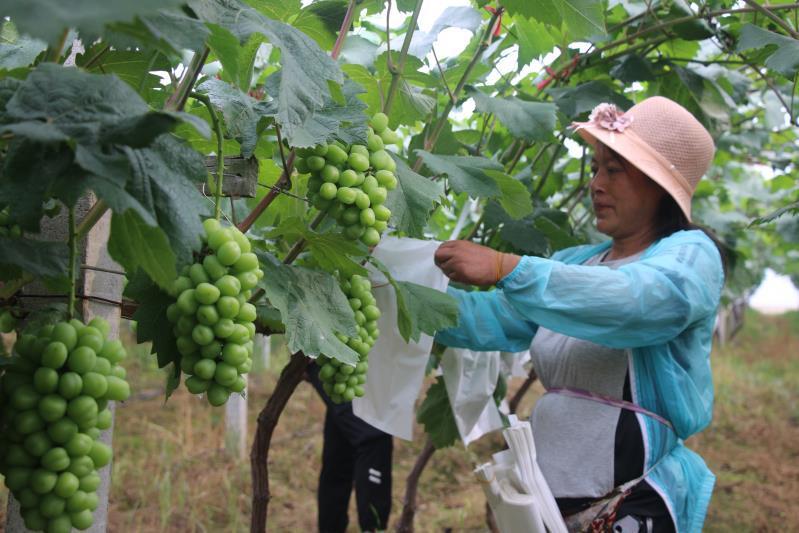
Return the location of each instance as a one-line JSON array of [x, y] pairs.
[[662, 307]]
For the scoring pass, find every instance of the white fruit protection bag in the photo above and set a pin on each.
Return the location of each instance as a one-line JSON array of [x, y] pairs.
[[516, 490], [470, 378], [396, 368]]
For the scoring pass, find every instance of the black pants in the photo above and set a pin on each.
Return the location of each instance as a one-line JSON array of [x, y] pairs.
[[354, 453]]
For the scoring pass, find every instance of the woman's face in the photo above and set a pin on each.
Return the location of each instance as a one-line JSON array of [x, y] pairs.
[[625, 200]]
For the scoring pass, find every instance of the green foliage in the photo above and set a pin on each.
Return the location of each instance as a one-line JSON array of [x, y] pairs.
[[306, 69], [413, 200], [435, 414], [49, 19], [313, 309], [782, 52], [532, 121], [331, 251], [47, 260], [150, 317]]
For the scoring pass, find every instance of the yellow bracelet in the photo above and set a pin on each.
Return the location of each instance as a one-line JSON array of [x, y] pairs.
[[500, 257]]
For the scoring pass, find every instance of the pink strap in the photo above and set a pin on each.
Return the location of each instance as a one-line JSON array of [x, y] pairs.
[[622, 404]]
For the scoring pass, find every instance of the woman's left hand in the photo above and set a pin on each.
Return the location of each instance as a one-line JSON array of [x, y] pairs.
[[467, 262]]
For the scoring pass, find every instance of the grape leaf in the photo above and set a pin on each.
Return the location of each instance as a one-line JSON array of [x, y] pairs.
[[533, 38], [412, 202], [633, 67], [43, 259], [57, 176], [89, 108], [533, 121], [358, 51], [346, 122], [425, 310], [8, 86], [150, 316], [700, 95], [420, 309], [558, 237], [331, 250], [583, 18], [574, 101], [168, 31], [132, 67], [435, 414], [134, 244], [164, 179], [77, 103], [515, 198], [306, 69], [361, 75], [48, 19], [21, 52], [312, 307], [783, 51], [277, 9], [241, 112], [465, 173]]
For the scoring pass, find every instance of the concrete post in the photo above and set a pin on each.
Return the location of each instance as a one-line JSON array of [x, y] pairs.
[[236, 426]]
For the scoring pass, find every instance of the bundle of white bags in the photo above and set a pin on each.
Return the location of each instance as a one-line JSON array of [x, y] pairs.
[[515, 487]]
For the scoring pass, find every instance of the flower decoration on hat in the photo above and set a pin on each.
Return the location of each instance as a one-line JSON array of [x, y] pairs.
[[609, 117]]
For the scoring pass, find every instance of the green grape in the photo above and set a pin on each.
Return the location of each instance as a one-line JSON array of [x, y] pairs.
[[214, 322], [379, 122], [343, 382]]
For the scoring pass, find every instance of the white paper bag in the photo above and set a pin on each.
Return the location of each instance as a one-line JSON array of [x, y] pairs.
[[513, 365], [471, 378], [396, 368]]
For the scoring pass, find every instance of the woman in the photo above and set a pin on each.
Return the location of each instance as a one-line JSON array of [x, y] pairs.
[[620, 332]]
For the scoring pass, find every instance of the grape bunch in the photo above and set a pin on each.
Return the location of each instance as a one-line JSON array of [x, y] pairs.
[[353, 181], [344, 382], [213, 321], [55, 398], [7, 226]]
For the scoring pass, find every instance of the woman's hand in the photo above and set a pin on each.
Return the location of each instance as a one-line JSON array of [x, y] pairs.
[[467, 262]]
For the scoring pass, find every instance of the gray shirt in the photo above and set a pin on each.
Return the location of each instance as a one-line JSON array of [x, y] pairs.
[[575, 437]]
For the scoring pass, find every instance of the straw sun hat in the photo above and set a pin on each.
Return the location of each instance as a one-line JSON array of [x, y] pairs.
[[659, 137]]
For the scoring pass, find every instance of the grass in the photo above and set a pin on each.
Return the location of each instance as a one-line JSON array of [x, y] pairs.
[[172, 474]]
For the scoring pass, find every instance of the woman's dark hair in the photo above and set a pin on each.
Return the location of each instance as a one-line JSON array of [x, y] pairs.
[[670, 219]]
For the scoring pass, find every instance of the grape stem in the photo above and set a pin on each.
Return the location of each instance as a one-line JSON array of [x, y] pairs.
[[73, 253], [92, 217], [54, 51], [220, 156], [399, 68], [270, 196], [431, 141], [411, 485], [177, 100], [300, 245], [514, 402]]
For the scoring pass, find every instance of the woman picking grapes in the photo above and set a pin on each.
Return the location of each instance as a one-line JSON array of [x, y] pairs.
[[620, 332]]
